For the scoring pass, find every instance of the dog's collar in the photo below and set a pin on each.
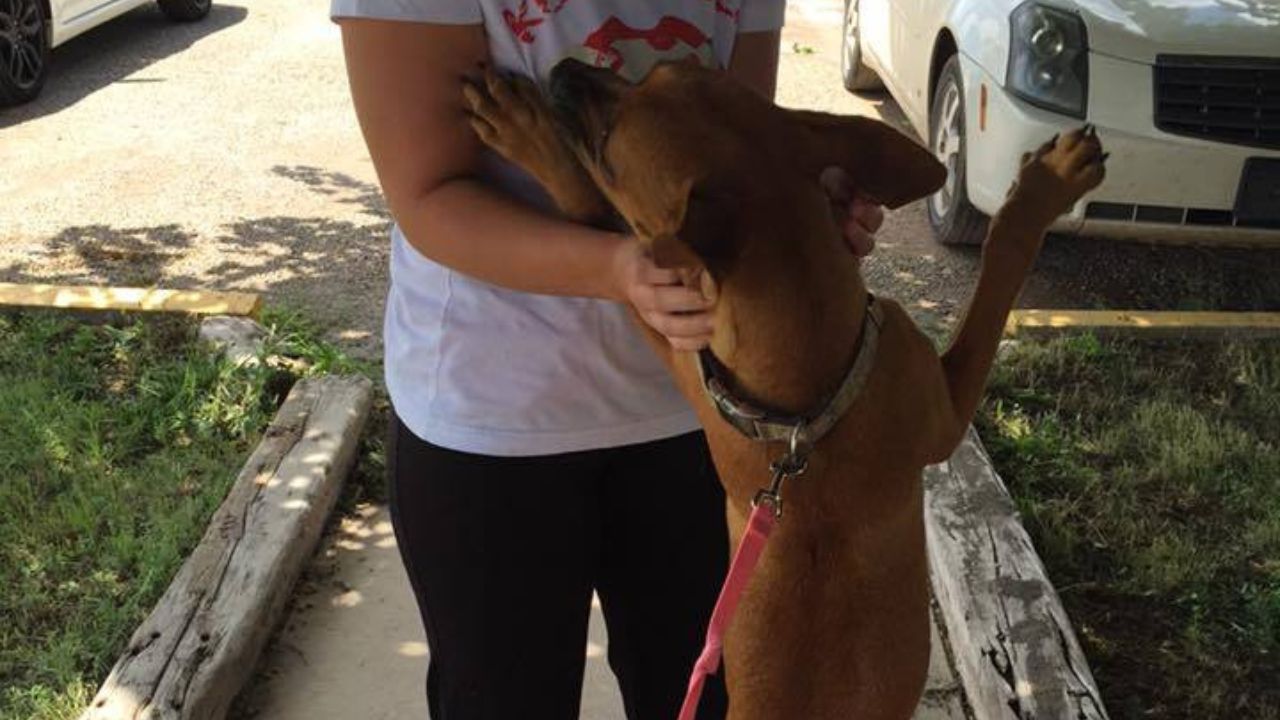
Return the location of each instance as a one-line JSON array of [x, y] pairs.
[[765, 425]]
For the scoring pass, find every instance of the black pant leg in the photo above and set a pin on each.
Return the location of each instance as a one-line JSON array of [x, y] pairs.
[[501, 553], [665, 558]]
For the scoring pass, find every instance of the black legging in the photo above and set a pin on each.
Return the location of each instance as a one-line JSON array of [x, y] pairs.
[[503, 554]]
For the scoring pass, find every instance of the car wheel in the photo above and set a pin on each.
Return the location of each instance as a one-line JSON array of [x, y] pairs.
[[856, 75], [955, 221], [24, 51], [185, 10]]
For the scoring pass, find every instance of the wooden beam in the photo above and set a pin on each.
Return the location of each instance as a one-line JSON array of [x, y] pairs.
[[1015, 651], [197, 302], [1160, 323], [196, 649]]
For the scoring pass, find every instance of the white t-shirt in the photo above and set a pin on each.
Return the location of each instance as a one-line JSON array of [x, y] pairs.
[[478, 368]]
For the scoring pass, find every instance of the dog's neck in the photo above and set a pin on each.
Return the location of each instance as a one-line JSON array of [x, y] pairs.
[[789, 320]]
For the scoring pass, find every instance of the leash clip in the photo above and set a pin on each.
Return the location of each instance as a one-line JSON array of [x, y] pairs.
[[792, 465]]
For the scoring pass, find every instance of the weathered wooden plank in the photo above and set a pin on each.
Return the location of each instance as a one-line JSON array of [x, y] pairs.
[[943, 694], [1146, 323], [195, 650], [76, 297], [1015, 650], [940, 705]]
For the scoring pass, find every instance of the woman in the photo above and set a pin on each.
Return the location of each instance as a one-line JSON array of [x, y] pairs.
[[540, 451]]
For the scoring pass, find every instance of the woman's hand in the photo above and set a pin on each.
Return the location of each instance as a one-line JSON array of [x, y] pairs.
[[858, 216], [680, 314], [860, 226]]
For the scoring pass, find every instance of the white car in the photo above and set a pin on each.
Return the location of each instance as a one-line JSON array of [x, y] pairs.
[[29, 29], [1185, 95]]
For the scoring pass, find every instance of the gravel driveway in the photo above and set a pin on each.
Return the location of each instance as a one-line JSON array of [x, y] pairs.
[[224, 154]]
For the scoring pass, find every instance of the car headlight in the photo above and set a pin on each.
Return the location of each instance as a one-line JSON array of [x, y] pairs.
[[1049, 58]]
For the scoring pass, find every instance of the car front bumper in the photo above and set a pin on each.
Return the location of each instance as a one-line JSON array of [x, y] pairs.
[[1159, 187]]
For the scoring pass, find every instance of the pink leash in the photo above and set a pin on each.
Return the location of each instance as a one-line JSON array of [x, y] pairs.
[[761, 425], [763, 518]]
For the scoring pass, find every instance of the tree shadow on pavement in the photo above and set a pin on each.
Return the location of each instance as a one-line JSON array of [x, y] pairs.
[[112, 52], [333, 271], [888, 110], [343, 188], [934, 282]]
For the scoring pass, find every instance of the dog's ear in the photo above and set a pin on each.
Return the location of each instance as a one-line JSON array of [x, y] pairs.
[[881, 162], [707, 230]]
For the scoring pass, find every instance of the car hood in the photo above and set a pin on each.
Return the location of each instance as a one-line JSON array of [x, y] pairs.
[[1141, 29]]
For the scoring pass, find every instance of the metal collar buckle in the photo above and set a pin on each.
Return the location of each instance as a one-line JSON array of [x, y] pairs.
[[791, 465]]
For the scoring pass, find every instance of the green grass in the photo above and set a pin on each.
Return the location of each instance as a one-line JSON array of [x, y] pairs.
[[118, 443], [1148, 475]]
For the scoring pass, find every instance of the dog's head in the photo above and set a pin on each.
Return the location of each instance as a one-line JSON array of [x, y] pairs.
[[690, 158]]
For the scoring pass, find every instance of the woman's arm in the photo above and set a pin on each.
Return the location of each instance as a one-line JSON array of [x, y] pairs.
[[406, 83], [755, 61]]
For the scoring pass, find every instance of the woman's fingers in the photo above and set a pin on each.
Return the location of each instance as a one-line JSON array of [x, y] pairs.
[[694, 327], [651, 274], [860, 241], [867, 214], [678, 299], [861, 223]]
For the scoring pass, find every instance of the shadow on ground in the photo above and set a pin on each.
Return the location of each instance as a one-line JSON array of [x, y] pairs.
[[935, 281], [333, 270], [887, 110], [111, 52]]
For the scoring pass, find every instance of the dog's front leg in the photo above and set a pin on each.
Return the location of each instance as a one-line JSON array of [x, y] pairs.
[[509, 115], [1050, 182]]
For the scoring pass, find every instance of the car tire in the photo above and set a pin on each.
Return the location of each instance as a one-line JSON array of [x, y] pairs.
[[185, 10], [954, 219], [856, 75], [24, 51]]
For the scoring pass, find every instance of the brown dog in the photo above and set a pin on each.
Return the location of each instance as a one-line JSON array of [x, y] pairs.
[[715, 179]]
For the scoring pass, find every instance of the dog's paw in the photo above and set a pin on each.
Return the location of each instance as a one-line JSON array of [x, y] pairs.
[[509, 115], [1060, 172]]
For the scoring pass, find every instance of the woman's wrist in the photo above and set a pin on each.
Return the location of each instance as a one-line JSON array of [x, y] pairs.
[[621, 269], [472, 228]]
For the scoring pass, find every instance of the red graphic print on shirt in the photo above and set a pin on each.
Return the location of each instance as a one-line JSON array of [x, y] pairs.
[[668, 34], [550, 7], [724, 9], [521, 24]]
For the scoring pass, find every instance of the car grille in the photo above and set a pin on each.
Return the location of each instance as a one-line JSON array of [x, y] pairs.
[[1128, 212], [1233, 100]]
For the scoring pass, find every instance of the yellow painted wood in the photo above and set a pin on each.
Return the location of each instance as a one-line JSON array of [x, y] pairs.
[[1170, 322], [197, 302]]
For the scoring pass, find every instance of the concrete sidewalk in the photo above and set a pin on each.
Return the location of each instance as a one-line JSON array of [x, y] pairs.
[[353, 646]]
